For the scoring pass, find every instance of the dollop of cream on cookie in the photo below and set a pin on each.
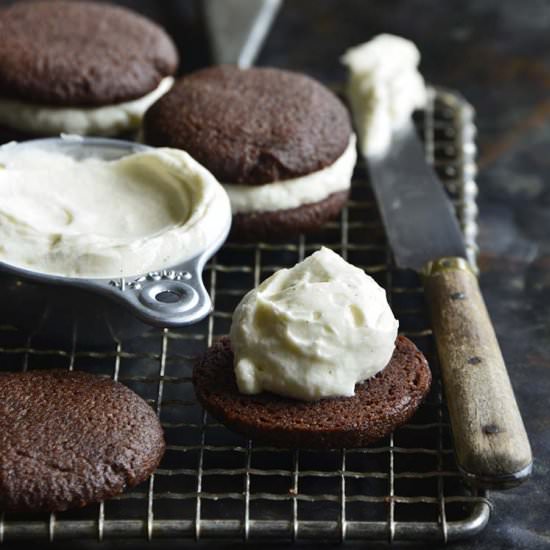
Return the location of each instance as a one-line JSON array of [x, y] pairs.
[[312, 331]]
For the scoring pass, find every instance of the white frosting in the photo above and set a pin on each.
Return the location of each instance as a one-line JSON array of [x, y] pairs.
[[281, 195], [106, 120], [384, 88], [312, 331], [97, 218]]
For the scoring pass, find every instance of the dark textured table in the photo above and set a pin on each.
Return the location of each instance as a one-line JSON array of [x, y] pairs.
[[497, 53]]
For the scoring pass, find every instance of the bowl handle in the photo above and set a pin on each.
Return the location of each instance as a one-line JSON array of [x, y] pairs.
[[169, 298]]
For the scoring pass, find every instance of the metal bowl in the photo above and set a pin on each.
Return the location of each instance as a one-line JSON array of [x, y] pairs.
[[100, 311]]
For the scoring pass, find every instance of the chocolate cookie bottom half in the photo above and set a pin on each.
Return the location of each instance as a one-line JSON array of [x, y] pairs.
[[278, 224], [379, 405], [68, 439]]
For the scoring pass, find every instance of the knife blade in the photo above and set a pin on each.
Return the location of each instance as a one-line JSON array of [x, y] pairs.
[[418, 217], [491, 445], [238, 28]]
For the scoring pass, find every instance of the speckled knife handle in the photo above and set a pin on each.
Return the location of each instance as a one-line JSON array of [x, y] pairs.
[[491, 445]]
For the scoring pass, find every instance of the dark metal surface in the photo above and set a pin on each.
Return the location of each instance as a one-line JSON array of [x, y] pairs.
[[418, 216]]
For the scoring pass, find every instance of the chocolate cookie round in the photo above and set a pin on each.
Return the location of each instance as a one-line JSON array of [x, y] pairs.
[[68, 439], [379, 405], [251, 126], [70, 53]]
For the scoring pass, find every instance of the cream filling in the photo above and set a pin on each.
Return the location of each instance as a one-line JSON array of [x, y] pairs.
[[282, 195], [384, 88], [107, 120], [312, 331], [95, 218]]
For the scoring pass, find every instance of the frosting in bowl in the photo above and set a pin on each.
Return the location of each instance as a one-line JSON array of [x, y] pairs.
[[312, 331], [106, 218]]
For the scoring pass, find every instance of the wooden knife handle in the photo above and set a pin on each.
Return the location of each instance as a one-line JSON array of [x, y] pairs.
[[491, 445]]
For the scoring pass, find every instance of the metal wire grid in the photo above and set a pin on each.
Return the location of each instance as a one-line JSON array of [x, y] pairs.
[[214, 483]]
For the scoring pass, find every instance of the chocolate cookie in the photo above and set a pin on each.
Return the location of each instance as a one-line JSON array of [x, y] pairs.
[[254, 127], [379, 405], [70, 53], [68, 439], [251, 126]]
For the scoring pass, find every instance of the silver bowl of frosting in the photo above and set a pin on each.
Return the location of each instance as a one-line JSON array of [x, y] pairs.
[[101, 238]]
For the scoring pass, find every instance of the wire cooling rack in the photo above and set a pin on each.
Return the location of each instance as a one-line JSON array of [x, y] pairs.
[[213, 483]]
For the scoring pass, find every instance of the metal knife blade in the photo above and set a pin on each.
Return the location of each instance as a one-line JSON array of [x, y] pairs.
[[418, 216], [237, 28]]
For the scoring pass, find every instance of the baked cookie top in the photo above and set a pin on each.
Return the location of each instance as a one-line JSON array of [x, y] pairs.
[[380, 404], [251, 126], [71, 53], [71, 438]]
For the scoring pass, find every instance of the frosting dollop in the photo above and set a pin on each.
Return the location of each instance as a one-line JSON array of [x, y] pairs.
[[384, 88], [312, 331], [106, 218]]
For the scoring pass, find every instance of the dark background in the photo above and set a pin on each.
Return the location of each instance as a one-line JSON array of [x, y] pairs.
[[497, 53]]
